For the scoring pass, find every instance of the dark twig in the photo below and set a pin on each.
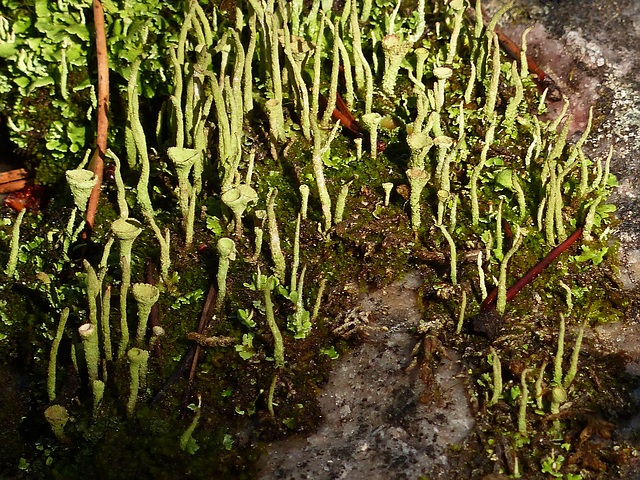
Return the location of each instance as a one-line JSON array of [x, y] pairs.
[[490, 302], [190, 360], [205, 318]]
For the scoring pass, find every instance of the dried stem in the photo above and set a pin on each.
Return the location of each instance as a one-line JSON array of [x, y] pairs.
[[97, 162]]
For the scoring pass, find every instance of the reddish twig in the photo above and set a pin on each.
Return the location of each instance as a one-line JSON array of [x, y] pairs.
[[346, 118], [97, 161], [490, 302]]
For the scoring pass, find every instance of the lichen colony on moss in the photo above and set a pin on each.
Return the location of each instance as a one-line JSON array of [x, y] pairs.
[[239, 128]]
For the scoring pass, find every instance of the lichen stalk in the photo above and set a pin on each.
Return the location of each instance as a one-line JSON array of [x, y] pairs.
[[358, 57], [317, 69], [272, 31], [524, 61], [481, 276], [105, 311], [463, 307], [93, 291], [420, 143], [274, 236], [488, 140], [97, 387], [278, 345], [146, 296], [492, 94], [295, 62], [512, 107], [417, 181], [520, 197], [557, 363], [471, 83], [387, 187], [226, 253], [89, 335], [341, 202], [497, 377], [142, 189], [258, 219], [270, 395], [14, 245], [458, 8], [186, 437], [304, 200], [394, 52], [333, 86], [120, 189], [501, 300], [137, 360], [164, 242], [318, 169], [524, 399], [452, 254], [441, 74], [539, 389], [126, 230], [53, 356], [421, 54], [248, 61]]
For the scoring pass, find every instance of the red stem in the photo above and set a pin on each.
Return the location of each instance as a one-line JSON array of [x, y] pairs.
[[490, 302]]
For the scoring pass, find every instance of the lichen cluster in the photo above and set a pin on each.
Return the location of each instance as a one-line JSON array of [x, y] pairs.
[[242, 147]]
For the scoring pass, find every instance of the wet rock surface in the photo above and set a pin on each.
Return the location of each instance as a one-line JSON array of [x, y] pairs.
[[374, 425], [380, 421]]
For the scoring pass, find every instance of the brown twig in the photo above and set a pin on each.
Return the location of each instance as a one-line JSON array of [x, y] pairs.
[[202, 326], [97, 161]]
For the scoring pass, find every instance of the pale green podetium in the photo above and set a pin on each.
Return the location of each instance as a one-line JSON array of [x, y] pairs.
[[421, 54], [51, 377], [417, 181], [274, 236], [14, 246], [420, 143], [304, 200], [93, 291], [89, 337], [259, 217], [81, 183], [278, 345], [226, 253], [126, 230], [372, 122], [146, 296], [138, 359], [497, 377], [394, 52], [238, 200], [183, 160], [387, 187], [442, 74]]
